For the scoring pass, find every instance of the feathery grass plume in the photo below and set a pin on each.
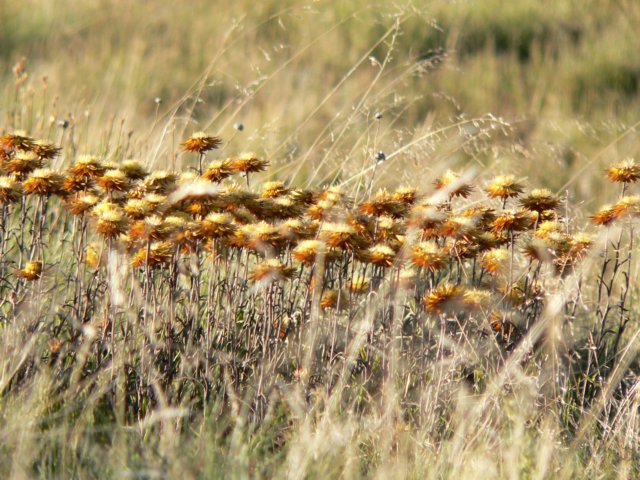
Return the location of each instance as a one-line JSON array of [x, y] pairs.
[[114, 181], [134, 170], [540, 200], [511, 221], [158, 253], [22, 163], [504, 187], [308, 252], [82, 203], [201, 143], [45, 151], [217, 225], [428, 255], [342, 236], [87, 166], [496, 261], [477, 300], [271, 270], [16, 141], [383, 203], [380, 255], [112, 222], [452, 182], [333, 300], [626, 171], [32, 271], [406, 195], [43, 181], [445, 298], [10, 190], [248, 163]]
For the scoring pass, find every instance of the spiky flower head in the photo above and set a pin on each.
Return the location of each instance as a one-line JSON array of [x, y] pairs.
[[540, 200], [22, 163], [10, 190], [160, 182], [453, 184], [476, 299], [87, 166], [445, 298], [158, 253], [274, 189], [133, 169], [406, 195], [114, 180], [605, 216], [218, 170], [428, 255], [626, 171], [217, 225], [200, 142], [82, 203], [112, 222], [496, 261], [380, 255], [511, 221], [341, 236], [43, 181], [383, 203], [333, 300], [137, 208], [358, 285], [248, 163], [310, 251], [16, 141], [503, 187], [32, 271], [627, 205], [271, 270], [45, 151]]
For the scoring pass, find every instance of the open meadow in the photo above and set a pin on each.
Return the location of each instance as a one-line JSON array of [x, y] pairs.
[[313, 239]]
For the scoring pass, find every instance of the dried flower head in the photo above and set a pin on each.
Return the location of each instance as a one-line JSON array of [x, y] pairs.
[[383, 203], [311, 251], [540, 200], [333, 300], [248, 163], [406, 195], [218, 170], [157, 254], [22, 163], [445, 298], [453, 184], [358, 285], [160, 182], [628, 205], [342, 236], [503, 187], [428, 255], [627, 171], [604, 216], [476, 299], [82, 203], [200, 142], [16, 141], [111, 222], [274, 189], [114, 181], [133, 169], [380, 255], [10, 190], [45, 151], [496, 261], [271, 270], [31, 271], [511, 221], [87, 166], [217, 225], [43, 181]]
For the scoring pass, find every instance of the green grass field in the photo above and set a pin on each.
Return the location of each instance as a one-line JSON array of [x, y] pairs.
[[365, 295]]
